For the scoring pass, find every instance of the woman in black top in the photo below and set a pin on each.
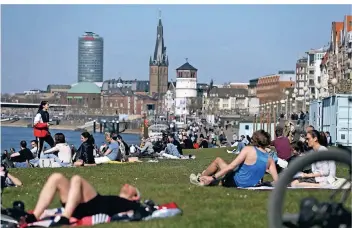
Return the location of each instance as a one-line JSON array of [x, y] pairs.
[[204, 142], [85, 153], [41, 127]]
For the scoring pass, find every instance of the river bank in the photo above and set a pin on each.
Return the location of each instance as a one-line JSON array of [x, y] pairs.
[[63, 127]]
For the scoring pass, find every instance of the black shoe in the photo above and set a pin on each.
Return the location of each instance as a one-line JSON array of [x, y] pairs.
[[60, 221], [30, 218]]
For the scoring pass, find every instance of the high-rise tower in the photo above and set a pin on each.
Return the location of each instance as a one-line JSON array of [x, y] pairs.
[[90, 58], [158, 64]]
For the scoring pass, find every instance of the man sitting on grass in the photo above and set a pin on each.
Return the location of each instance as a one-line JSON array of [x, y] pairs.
[[111, 153], [8, 180], [80, 199], [246, 170]]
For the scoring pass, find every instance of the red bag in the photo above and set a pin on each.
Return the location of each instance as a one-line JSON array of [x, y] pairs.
[[41, 130]]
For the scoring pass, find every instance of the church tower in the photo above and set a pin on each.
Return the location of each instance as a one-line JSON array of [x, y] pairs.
[[158, 64]]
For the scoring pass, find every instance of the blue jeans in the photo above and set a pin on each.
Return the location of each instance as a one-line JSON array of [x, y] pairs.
[[240, 146], [21, 165], [172, 150]]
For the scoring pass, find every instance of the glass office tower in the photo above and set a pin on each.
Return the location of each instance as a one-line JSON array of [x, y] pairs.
[[90, 58]]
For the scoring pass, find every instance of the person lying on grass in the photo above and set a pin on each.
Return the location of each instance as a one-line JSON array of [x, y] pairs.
[[80, 199], [246, 170]]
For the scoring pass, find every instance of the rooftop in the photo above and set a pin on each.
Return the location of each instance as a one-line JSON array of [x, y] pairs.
[[318, 50], [52, 86], [229, 92], [85, 87], [187, 66]]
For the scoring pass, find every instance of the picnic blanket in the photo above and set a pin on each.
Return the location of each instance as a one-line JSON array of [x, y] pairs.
[[161, 211], [119, 163], [271, 188]]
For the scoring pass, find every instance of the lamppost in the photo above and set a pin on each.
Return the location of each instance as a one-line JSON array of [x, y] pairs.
[[267, 117], [305, 89], [282, 106], [317, 93], [294, 95], [277, 110], [270, 113], [290, 106], [334, 83], [262, 117], [287, 93]]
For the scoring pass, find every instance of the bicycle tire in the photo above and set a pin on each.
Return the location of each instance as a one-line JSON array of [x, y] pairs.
[[277, 197]]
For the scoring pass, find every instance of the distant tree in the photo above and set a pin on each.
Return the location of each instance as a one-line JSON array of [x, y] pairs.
[[5, 97]]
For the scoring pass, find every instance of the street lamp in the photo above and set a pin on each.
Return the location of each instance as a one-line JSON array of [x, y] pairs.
[[282, 105], [277, 110], [317, 93], [268, 117], [305, 89], [287, 93], [262, 117], [334, 83], [294, 95], [274, 115]]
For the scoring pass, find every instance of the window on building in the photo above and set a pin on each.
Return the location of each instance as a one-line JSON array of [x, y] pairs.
[[311, 72]]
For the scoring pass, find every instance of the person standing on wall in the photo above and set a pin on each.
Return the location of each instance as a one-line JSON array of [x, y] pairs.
[[41, 127]]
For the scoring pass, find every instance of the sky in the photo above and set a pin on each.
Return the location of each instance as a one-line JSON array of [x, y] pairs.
[[227, 43]]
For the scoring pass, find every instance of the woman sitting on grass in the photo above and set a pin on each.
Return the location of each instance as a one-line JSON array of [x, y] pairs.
[[246, 170], [63, 150], [84, 155], [323, 172]]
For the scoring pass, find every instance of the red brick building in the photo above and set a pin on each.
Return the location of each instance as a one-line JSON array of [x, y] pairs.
[[272, 88], [124, 101]]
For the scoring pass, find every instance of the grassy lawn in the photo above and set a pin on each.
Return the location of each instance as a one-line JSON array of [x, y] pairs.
[[168, 181]]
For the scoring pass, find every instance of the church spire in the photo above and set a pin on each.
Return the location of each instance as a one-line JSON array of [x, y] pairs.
[[159, 56]]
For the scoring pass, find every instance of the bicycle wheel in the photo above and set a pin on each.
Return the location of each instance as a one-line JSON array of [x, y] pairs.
[[277, 197]]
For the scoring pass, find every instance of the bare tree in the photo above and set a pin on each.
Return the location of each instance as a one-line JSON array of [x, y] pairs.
[[5, 97]]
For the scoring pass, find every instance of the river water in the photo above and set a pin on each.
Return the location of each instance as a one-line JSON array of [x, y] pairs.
[[11, 137]]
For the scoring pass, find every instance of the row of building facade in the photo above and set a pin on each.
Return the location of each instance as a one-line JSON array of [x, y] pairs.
[[327, 70]]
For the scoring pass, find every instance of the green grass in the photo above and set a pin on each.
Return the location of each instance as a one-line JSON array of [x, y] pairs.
[[168, 181]]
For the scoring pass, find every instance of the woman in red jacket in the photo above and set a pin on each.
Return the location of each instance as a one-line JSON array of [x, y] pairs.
[[41, 127]]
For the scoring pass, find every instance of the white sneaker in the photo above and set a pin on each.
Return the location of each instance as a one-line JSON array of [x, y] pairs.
[[237, 152], [194, 179], [230, 151]]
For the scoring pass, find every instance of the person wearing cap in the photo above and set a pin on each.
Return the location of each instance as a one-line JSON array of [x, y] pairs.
[[80, 199]]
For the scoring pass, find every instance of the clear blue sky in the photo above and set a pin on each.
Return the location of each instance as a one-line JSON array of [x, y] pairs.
[[227, 43]]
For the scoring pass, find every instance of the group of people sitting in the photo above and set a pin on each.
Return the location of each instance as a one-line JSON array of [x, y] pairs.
[[64, 156], [168, 147], [213, 138], [256, 159]]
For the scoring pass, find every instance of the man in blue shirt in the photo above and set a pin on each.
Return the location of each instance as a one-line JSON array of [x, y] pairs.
[[111, 153]]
